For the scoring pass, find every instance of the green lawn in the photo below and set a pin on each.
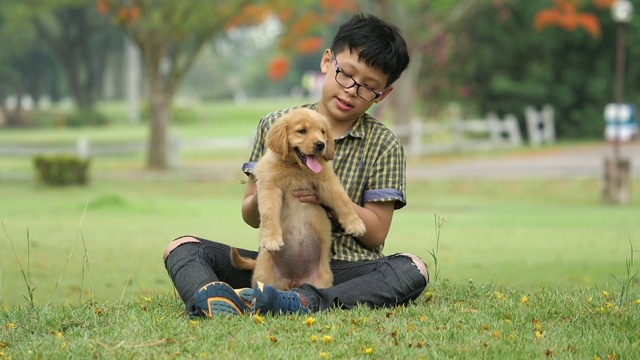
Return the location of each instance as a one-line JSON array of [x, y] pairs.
[[527, 268], [518, 233]]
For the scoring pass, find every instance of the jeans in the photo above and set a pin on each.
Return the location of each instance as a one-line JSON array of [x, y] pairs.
[[385, 282]]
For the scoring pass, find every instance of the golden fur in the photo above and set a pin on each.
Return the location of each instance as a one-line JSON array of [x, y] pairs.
[[295, 245]]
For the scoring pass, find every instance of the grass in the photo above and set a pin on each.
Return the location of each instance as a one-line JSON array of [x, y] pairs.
[[526, 268], [454, 320]]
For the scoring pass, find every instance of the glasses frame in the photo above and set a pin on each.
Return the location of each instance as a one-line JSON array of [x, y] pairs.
[[355, 83]]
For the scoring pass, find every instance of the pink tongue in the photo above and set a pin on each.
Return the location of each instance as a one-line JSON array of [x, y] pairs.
[[313, 164]]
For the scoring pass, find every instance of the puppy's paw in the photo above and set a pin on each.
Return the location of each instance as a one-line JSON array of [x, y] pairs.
[[354, 227], [272, 244]]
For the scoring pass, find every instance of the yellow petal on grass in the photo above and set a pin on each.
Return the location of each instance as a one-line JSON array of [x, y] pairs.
[[428, 295], [324, 355], [258, 319], [605, 294], [536, 324], [537, 334], [327, 339], [368, 351], [313, 338], [524, 300], [309, 320], [638, 301]]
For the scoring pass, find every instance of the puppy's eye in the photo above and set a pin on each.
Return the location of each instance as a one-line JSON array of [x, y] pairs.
[[302, 131]]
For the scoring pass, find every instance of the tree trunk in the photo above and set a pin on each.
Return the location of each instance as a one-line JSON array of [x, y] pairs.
[[159, 115], [403, 97], [616, 186]]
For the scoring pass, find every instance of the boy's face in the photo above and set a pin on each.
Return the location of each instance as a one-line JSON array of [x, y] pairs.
[[342, 103]]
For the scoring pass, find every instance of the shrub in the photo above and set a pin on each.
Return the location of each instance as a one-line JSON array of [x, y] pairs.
[[86, 117], [61, 170], [180, 115]]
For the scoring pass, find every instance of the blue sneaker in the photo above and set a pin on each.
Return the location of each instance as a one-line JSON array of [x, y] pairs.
[[218, 298], [269, 300]]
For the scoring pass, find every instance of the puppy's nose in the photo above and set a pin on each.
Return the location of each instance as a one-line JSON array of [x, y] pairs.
[[319, 145]]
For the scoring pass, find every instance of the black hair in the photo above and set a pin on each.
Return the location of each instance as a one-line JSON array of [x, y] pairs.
[[379, 44]]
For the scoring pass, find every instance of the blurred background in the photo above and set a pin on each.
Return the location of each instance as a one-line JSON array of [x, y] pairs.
[[61, 59], [158, 99]]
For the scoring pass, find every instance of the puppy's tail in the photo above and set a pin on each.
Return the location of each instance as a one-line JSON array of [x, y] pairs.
[[240, 262]]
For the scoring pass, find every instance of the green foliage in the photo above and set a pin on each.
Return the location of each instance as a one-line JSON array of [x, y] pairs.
[[61, 170], [85, 117], [505, 65]]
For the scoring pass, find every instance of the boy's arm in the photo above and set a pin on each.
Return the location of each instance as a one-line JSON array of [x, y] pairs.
[[377, 218], [250, 213]]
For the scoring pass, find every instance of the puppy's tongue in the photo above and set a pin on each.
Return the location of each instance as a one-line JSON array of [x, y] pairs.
[[313, 164]]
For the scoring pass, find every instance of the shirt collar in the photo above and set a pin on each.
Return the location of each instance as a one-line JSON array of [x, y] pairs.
[[357, 130]]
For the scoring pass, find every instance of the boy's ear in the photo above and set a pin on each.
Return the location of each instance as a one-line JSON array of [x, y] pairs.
[[386, 92], [326, 61]]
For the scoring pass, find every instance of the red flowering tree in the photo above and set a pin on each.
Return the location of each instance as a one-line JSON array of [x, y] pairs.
[[171, 34], [565, 15]]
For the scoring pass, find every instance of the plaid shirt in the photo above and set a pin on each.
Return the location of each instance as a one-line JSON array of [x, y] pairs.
[[370, 161]]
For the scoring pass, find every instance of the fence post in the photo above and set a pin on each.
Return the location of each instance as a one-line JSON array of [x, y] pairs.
[[174, 151], [83, 148], [495, 131], [512, 128], [548, 124], [533, 126]]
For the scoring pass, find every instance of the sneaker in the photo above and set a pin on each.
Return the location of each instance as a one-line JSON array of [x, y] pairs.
[[269, 300], [218, 298]]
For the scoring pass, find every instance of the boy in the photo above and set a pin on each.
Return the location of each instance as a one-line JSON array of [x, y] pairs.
[[367, 55]]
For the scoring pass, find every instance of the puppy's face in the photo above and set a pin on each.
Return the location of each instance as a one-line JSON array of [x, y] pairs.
[[303, 136]]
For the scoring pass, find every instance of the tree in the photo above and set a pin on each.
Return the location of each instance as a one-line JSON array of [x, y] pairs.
[[426, 36], [170, 35], [505, 60]]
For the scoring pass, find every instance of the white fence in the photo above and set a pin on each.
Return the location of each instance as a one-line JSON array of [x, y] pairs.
[[462, 135], [540, 125], [478, 134], [84, 149]]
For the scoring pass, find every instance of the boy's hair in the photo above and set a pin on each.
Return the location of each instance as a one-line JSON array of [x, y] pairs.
[[378, 43]]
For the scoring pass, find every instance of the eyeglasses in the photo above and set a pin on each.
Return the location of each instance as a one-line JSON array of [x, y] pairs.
[[347, 81]]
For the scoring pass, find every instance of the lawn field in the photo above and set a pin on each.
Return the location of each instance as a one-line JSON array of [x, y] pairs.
[[105, 241], [520, 268]]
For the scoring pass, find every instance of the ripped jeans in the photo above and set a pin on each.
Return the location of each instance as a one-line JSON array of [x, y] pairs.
[[385, 282]]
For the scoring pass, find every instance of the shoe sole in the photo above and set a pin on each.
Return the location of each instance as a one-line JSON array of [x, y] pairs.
[[223, 299]]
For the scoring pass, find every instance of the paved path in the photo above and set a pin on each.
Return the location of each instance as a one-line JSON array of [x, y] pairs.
[[575, 162]]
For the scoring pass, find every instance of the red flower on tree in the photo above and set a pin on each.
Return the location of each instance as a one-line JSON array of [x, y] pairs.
[[566, 16], [278, 68]]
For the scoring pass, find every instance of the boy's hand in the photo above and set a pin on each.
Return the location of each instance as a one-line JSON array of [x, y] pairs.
[[306, 195]]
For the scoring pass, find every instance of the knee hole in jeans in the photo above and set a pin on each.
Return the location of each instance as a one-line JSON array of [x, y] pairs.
[[177, 242], [417, 262]]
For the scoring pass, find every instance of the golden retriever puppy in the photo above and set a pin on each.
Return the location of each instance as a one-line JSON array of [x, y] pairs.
[[295, 237]]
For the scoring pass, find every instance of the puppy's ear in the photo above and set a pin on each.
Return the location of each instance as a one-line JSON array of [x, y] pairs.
[[330, 149], [277, 138]]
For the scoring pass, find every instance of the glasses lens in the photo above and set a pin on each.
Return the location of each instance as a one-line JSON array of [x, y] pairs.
[[345, 81], [348, 82], [367, 94]]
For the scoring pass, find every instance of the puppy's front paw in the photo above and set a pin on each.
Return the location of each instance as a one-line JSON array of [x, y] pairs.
[[272, 244], [355, 227]]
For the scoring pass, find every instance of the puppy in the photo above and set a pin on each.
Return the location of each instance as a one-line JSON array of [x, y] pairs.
[[295, 237]]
